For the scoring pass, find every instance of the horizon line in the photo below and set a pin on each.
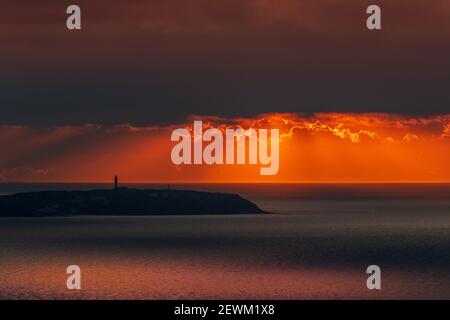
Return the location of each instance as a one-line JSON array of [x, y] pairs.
[[224, 182]]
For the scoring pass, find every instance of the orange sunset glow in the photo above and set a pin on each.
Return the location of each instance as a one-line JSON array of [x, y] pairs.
[[323, 147]]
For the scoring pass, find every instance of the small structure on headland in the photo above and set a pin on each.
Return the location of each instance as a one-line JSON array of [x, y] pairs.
[[116, 182]]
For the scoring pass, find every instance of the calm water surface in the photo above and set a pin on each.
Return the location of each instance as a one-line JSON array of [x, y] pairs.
[[309, 248]]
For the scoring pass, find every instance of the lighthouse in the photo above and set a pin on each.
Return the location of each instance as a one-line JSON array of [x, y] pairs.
[[116, 182]]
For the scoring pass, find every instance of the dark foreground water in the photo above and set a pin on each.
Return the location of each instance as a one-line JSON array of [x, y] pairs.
[[311, 247]]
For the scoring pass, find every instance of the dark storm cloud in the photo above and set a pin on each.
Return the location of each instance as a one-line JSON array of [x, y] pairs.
[[147, 62]]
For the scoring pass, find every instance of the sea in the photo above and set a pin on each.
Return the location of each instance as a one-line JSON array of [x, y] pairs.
[[316, 241]]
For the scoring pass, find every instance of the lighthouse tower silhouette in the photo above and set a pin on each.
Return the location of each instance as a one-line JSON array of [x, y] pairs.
[[116, 182]]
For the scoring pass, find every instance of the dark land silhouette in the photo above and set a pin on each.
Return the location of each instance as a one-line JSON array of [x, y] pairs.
[[123, 201]]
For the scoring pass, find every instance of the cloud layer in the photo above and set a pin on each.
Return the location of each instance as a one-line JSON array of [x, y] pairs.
[[155, 62], [318, 147]]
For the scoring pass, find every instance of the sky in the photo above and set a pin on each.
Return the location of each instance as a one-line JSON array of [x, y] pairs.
[[139, 68], [324, 147]]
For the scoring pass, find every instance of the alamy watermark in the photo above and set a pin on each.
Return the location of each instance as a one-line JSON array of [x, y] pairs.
[[73, 22], [228, 146]]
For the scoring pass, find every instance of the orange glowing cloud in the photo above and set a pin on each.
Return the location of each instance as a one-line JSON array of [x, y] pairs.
[[323, 147]]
